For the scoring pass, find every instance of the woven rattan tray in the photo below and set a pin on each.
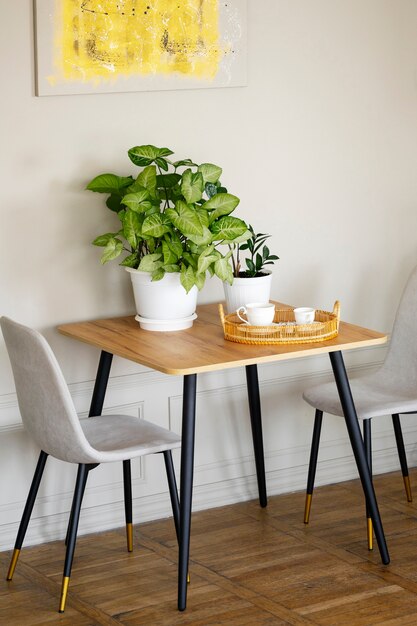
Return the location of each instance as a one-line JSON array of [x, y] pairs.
[[284, 329]]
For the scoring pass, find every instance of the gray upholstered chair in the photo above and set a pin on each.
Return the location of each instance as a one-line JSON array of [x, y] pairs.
[[391, 390], [49, 416]]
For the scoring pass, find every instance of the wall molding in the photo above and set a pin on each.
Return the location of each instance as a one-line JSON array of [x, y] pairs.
[[7, 428]]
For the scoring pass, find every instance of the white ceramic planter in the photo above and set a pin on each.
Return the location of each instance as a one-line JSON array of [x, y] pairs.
[[246, 290], [164, 299]]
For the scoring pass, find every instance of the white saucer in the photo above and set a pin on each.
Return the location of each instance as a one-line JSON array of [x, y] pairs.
[[166, 325]]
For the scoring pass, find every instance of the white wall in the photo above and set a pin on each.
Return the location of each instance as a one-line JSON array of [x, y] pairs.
[[321, 147]]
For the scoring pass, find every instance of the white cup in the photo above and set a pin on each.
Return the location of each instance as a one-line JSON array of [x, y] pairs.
[[304, 315], [257, 313]]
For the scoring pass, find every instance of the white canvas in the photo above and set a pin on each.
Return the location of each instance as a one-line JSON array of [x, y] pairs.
[[102, 46]]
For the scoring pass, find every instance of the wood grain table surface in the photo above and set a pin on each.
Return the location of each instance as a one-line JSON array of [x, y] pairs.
[[202, 348]]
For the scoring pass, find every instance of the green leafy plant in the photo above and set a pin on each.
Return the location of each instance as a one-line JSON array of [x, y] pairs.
[[259, 255], [173, 217]]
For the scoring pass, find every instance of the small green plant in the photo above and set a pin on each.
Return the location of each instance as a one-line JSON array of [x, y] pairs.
[[172, 218], [258, 257]]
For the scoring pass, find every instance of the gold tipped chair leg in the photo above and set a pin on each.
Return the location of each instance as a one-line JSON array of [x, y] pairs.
[[64, 592], [370, 534], [129, 537], [13, 562], [307, 508], [407, 486]]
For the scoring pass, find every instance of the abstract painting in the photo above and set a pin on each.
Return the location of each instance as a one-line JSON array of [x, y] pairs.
[[96, 46]]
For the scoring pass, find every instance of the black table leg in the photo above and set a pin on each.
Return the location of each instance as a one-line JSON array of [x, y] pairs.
[[358, 448], [100, 385], [256, 423], [96, 407], [186, 483]]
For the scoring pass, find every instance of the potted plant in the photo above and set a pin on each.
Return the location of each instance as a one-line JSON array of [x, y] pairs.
[[171, 220], [253, 282]]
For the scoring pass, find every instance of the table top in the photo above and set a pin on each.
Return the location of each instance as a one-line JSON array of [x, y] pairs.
[[202, 348]]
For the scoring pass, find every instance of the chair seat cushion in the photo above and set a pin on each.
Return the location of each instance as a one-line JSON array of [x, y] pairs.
[[122, 437], [373, 397]]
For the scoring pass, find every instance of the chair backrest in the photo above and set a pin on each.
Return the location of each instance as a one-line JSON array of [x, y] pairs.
[[401, 360], [45, 403]]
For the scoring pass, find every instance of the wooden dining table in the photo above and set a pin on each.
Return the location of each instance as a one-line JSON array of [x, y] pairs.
[[203, 348]]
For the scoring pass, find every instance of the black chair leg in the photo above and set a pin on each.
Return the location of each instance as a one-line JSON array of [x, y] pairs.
[[367, 442], [401, 453], [127, 483], [72, 535], [73, 502], [27, 512], [313, 463]]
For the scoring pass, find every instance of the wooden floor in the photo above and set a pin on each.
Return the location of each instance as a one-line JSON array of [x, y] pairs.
[[249, 567]]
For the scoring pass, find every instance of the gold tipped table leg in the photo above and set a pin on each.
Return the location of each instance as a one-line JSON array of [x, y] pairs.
[[129, 537], [64, 592], [370, 534], [407, 486], [13, 562], [307, 508]]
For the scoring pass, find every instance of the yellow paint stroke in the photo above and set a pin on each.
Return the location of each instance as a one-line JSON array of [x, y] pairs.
[[101, 40]]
